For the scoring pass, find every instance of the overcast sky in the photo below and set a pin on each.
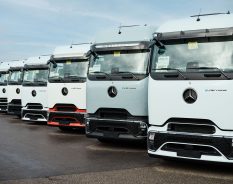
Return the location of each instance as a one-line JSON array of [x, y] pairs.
[[34, 27]]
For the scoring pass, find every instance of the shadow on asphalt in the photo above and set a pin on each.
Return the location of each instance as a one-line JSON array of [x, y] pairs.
[[57, 136], [197, 166]]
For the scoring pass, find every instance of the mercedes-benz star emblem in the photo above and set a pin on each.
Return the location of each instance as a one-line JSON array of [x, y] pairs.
[[112, 91], [64, 91], [17, 90], [33, 93], [190, 96]]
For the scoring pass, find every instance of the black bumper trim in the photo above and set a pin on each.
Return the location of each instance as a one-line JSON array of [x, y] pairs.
[[34, 114], [14, 109], [114, 129]]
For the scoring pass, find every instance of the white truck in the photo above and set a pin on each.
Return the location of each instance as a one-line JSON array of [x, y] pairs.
[[14, 87], [34, 90], [191, 89], [67, 87], [4, 74], [117, 85]]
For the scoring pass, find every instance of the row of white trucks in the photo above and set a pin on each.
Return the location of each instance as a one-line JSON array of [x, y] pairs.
[[170, 86]]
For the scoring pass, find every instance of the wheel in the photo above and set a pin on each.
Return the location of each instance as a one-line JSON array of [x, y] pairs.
[[65, 129]]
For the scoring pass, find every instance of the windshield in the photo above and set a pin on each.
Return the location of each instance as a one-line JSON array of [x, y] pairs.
[[15, 76], [34, 76], [194, 56], [133, 61], [4, 78], [69, 69]]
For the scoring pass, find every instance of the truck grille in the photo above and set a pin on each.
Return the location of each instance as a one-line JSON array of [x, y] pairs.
[[65, 107], [109, 113], [34, 106], [191, 128], [3, 100], [16, 101]]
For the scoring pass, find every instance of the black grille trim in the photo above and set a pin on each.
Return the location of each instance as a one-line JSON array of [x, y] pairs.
[[2, 100], [108, 126], [191, 128], [34, 106]]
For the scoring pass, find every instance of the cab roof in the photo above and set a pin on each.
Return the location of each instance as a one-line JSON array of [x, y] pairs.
[[18, 63], [191, 23], [5, 66], [71, 51], [127, 34], [38, 60]]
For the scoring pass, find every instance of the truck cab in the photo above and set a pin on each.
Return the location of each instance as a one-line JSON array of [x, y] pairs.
[[67, 87], [14, 87], [117, 85], [4, 74], [34, 91], [191, 89]]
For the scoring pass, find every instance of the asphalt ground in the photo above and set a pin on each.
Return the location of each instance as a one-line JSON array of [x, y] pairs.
[[35, 153]]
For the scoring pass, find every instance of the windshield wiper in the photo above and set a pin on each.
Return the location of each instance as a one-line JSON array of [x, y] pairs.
[[211, 68], [42, 81], [75, 78], [27, 82], [14, 82], [106, 74], [135, 77], [56, 78], [170, 69]]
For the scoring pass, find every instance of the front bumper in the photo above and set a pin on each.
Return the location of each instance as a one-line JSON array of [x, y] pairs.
[[116, 129], [68, 119], [3, 107], [14, 109], [34, 115], [193, 146]]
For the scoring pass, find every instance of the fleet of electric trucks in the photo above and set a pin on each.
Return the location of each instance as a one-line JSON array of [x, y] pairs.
[[171, 85]]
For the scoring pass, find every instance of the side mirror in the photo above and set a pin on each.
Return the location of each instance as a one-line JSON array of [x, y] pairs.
[[161, 50], [54, 65], [88, 54]]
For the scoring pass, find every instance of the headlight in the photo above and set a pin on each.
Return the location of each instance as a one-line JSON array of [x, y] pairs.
[[151, 136], [143, 125]]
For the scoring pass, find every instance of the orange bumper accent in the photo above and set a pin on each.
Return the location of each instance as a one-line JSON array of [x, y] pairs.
[[75, 124]]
